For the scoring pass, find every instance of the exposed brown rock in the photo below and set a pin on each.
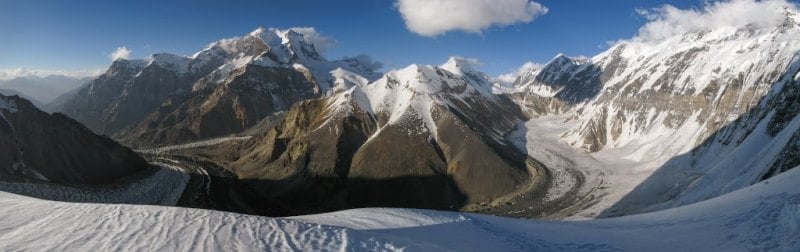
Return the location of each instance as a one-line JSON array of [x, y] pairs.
[[249, 95]]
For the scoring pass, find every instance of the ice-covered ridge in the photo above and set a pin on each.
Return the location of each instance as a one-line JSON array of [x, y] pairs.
[[287, 45], [343, 80], [413, 92], [710, 66], [718, 55], [178, 64], [704, 53], [285, 48], [546, 81]]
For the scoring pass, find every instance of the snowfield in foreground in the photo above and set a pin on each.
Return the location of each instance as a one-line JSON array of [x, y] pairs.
[[765, 216]]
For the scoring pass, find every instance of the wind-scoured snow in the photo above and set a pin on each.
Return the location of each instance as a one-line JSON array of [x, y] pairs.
[[765, 216], [176, 63]]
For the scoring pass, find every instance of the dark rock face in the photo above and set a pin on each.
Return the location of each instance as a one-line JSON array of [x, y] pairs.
[[9, 92], [131, 90], [249, 95], [38, 146], [126, 93], [95, 100]]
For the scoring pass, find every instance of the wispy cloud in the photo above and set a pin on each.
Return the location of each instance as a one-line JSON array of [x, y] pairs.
[[366, 61], [668, 21], [121, 53], [6, 74], [431, 18], [509, 78], [321, 43]]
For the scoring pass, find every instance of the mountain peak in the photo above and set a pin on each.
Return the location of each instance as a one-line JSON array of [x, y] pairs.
[[343, 79], [561, 59], [423, 79], [257, 32], [431, 80], [288, 45], [459, 66], [177, 63], [124, 65]]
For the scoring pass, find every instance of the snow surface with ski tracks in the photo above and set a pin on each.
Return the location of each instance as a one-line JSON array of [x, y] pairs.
[[765, 216]]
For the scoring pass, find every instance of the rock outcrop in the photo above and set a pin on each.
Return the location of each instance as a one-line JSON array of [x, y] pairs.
[[37, 146]]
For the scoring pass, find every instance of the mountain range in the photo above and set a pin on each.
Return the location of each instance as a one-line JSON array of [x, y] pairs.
[[264, 124], [316, 125], [221, 90], [700, 114]]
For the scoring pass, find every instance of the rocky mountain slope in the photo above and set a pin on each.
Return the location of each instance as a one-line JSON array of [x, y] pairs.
[[37, 146], [421, 136], [220, 90], [440, 131], [700, 113], [10, 92]]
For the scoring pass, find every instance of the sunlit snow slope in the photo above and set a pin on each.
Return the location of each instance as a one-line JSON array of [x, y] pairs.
[[765, 216]]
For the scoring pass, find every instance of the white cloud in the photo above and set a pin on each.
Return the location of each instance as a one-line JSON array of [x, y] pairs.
[[509, 78], [321, 43], [6, 74], [120, 53], [434, 17], [668, 21]]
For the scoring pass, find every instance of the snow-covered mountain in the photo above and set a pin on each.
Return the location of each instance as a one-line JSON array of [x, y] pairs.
[[37, 146], [439, 133], [698, 112], [233, 83]]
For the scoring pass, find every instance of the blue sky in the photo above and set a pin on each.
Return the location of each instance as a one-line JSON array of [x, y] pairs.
[[77, 35]]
